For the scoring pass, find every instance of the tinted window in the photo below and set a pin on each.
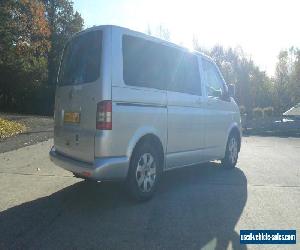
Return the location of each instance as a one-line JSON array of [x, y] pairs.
[[149, 64], [184, 73], [213, 82], [81, 59], [143, 63]]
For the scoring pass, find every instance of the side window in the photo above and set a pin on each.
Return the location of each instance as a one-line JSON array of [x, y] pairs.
[[192, 75], [183, 73], [143, 63], [153, 65], [213, 82]]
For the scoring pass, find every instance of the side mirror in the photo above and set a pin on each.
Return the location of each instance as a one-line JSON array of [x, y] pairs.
[[217, 93], [231, 90]]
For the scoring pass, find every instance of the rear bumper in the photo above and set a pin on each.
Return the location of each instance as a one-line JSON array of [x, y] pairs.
[[108, 168]]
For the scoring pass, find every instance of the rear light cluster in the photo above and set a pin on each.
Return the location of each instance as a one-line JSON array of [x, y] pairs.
[[104, 115]]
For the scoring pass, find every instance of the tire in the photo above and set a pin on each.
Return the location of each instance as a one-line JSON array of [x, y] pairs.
[[232, 152], [144, 172]]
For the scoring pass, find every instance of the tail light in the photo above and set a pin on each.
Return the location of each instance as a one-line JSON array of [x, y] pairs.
[[104, 115]]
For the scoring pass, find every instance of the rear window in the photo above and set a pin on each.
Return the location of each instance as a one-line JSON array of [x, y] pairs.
[[153, 65], [81, 59]]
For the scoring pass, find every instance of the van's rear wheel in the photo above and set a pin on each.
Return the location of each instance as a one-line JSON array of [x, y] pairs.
[[144, 172], [232, 151]]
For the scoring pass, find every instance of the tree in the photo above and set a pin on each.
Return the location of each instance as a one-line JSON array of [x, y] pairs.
[[63, 22], [287, 79], [253, 86], [32, 36], [282, 82], [24, 44], [296, 79]]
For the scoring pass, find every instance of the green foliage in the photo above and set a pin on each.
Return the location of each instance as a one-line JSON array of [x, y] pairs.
[[268, 111], [24, 43], [258, 112], [287, 80], [33, 34], [64, 22], [30, 44], [253, 87]]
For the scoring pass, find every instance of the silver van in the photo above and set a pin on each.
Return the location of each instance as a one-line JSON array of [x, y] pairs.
[[129, 106]]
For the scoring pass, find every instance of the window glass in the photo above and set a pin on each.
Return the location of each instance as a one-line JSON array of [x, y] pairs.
[[175, 69], [184, 73], [143, 63], [213, 82], [81, 59], [153, 65]]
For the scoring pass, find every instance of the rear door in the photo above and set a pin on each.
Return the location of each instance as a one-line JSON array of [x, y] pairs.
[[77, 95]]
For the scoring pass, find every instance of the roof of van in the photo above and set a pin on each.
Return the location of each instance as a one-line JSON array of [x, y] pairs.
[[143, 34]]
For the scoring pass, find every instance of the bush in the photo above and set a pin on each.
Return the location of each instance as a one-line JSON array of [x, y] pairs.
[[34, 98], [268, 111], [258, 112], [242, 109]]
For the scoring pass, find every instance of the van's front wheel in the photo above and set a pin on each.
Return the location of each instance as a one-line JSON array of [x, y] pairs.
[[144, 172], [232, 151]]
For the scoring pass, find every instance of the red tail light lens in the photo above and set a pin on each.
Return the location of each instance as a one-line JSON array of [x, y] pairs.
[[104, 115]]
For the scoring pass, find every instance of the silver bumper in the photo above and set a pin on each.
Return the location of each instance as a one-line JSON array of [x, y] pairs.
[[109, 168]]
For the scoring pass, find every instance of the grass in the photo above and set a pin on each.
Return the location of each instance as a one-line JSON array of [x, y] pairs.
[[10, 128]]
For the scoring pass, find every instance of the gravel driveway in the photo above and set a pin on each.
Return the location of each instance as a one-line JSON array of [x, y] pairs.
[[39, 128]]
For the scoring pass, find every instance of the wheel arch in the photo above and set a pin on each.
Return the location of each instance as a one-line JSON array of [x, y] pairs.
[[154, 140], [234, 129]]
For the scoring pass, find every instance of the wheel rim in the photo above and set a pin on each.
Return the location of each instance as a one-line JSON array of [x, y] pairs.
[[146, 172], [233, 150]]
